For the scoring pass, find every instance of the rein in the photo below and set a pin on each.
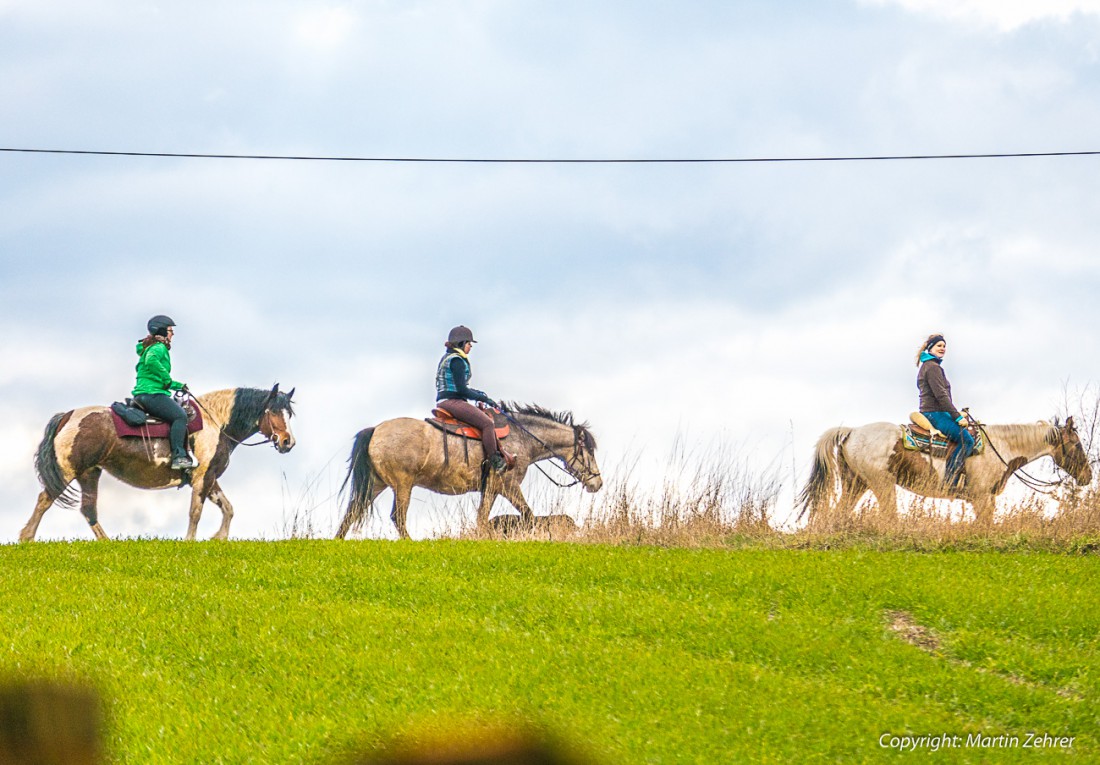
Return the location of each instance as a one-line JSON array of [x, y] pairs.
[[221, 429], [566, 463], [1035, 484]]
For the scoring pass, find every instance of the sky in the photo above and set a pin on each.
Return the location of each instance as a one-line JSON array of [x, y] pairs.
[[735, 308]]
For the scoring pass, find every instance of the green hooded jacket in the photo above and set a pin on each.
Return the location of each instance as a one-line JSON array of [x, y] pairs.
[[154, 370]]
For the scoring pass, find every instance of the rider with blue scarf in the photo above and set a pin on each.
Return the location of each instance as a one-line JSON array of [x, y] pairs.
[[453, 393], [937, 406]]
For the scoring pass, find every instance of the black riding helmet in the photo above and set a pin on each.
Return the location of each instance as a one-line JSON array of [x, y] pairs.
[[461, 334], [159, 324]]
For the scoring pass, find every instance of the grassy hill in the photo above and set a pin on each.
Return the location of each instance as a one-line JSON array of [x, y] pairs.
[[293, 651]]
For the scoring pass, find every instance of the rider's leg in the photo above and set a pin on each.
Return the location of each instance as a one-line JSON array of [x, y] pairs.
[[466, 412], [945, 423], [163, 407]]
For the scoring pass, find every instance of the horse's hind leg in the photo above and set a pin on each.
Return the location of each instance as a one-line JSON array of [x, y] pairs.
[[377, 487], [89, 493], [887, 496], [488, 497], [40, 508], [402, 495]]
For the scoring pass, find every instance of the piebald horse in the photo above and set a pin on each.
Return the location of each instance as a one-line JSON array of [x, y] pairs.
[[872, 457], [406, 452], [80, 444]]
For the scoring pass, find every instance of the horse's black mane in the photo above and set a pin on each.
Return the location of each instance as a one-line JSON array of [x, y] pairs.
[[563, 417], [249, 405]]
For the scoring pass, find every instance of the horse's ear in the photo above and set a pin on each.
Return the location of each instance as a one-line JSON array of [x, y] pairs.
[[274, 391], [1069, 423], [290, 395]]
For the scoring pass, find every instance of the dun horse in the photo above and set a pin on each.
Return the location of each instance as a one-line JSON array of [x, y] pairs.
[[405, 452], [872, 457], [82, 443]]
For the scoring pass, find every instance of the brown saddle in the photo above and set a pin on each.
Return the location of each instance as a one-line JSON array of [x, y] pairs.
[[448, 424]]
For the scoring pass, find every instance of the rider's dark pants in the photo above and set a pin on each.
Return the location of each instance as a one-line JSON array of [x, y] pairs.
[[945, 423], [464, 411], [163, 407]]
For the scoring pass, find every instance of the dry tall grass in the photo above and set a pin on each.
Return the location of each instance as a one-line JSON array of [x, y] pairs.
[[710, 496]]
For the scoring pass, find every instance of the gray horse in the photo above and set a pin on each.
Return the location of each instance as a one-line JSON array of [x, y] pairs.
[[871, 457], [406, 452]]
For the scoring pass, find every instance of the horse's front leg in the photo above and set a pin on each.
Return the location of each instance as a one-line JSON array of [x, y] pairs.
[[984, 506], [217, 496], [514, 494], [89, 494], [199, 492]]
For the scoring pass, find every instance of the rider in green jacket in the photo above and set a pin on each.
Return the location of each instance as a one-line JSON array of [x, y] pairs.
[[154, 381]]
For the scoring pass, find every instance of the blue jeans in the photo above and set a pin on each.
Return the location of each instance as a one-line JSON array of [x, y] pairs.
[[945, 423]]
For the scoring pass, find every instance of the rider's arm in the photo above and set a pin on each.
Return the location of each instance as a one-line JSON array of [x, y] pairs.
[[157, 367], [937, 383], [458, 374]]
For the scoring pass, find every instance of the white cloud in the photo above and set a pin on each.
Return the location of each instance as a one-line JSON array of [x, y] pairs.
[[1006, 15]]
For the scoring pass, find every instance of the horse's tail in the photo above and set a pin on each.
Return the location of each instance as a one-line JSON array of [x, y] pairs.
[[361, 477], [47, 466], [825, 472]]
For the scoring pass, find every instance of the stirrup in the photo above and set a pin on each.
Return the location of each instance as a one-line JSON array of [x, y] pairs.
[[183, 462]]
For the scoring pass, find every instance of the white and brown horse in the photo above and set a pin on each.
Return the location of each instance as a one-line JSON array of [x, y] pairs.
[[80, 444], [405, 452], [850, 461]]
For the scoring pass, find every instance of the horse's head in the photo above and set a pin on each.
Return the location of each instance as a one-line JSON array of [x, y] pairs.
[[275, 421], [1069, 453], [582, 463]]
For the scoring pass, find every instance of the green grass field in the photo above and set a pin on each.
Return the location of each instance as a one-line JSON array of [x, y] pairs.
[[292, 651]]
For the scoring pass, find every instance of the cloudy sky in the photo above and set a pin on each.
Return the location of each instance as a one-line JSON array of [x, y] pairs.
[[740, 306]]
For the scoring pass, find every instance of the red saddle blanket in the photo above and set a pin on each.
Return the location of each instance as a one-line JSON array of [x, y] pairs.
[[445, 422], [153, 428]]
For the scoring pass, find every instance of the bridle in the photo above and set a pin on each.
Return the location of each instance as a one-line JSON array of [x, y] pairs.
[[572, 466], [1035, 484], [265, 419]]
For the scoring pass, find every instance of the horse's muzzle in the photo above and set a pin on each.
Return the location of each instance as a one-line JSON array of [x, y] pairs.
[[282, 444]]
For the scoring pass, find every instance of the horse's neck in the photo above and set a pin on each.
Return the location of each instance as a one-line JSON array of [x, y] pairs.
[[217, 406], [555, 437], [1027, 441]]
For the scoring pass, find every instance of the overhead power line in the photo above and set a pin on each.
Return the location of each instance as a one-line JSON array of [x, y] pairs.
[[559, 161]]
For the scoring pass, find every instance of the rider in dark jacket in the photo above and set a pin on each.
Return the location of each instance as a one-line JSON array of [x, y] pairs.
[[937, 406], [154, 381], [453, 393]]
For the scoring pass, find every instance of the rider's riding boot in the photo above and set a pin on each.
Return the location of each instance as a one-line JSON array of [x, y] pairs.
[[182, 462], [497, 463]]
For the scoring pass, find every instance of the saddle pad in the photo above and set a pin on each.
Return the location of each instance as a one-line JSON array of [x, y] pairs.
[[153, 428], [448, 424], [917, 439]]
